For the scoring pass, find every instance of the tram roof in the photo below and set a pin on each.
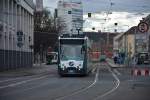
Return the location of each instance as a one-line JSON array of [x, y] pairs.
[[73, 36]]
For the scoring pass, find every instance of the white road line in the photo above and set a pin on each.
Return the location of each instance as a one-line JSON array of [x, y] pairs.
[[7, 80], [27, 89], [94, 69], [10, 80], [113, 89], [117, 72], [77, 92], [22, 82]]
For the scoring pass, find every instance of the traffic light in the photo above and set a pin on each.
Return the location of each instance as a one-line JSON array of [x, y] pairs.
[[115, 24], [93, 28], [89, 15]]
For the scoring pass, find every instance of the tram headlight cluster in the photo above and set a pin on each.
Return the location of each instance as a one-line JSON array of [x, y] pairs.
[[63, 66], [79, 66], [76, 64]]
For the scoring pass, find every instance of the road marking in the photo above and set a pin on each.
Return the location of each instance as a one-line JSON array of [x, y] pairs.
[[22, 82], [94, 69], [117, 72], [77, 92], [113, 89], [2, 81], [17, 78], [26, 89], [10, 80]]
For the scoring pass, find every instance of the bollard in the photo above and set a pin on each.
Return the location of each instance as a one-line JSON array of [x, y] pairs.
[[146, 72], [139, 73]]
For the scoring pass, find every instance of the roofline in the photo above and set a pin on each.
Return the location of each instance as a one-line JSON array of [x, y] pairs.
[[31, 5], [127, 32], [72, 38]]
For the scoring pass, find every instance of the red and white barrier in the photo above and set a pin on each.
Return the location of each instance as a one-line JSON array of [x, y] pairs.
[[140, 72]]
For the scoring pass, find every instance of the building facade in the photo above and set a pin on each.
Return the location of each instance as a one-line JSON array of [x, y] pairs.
[[118, 42], [16, 33], [71, 14], [99, 43], [125, 42], [39, 5]]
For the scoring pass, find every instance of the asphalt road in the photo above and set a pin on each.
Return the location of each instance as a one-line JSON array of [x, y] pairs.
[[104, 83]]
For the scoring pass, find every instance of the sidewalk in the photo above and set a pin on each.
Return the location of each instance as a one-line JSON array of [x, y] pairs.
[[35, 70], [112, 64]]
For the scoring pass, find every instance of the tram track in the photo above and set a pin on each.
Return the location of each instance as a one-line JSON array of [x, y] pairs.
[[81, 89], [87, 88], [117, 83]]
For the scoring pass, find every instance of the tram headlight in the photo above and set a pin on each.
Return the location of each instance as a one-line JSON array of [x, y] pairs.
[[80, 65], [78, 68], [63, 66]]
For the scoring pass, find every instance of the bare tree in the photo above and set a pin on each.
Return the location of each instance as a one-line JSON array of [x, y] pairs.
[[61, 25], [43, 21], [46, 31]]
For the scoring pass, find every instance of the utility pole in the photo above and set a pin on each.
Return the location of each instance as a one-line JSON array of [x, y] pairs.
[[78, 29], [107, 39]]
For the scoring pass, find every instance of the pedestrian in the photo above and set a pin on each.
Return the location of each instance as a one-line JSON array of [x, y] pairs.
[[134, 60], [115, 59]]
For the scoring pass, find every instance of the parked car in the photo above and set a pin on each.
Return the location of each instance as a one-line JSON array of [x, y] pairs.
[[143, 58], [51, 58], [102, 58]]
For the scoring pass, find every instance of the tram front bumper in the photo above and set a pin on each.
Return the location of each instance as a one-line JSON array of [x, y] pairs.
[[71, 70]]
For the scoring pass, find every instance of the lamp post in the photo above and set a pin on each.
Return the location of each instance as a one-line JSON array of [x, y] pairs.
[[78, 29], [78, 24], [41, 46]]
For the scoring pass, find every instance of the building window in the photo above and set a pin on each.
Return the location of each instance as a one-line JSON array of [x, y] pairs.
[[29, 38], [69, 12], [1, 27]]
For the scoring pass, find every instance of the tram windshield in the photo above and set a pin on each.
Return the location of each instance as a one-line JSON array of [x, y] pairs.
[[72, 52]]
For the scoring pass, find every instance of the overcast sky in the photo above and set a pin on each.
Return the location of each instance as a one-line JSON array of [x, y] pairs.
[[126, 13]]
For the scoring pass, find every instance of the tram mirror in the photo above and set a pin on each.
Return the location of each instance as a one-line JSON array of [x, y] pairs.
[[83, 49]]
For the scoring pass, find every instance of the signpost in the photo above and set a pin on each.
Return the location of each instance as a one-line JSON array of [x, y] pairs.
[[143, 27], [20, 39], [20, 43], [142, 37]]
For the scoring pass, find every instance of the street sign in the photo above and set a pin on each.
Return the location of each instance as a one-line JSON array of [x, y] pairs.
[[143, 27], [19, 33], [20, 39]]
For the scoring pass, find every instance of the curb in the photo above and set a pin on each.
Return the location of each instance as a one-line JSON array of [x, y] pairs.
[[114, 65], [24, 72]]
